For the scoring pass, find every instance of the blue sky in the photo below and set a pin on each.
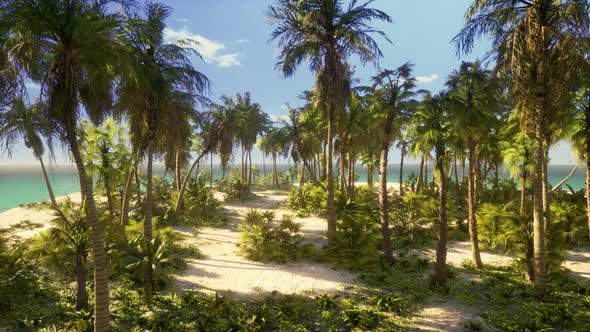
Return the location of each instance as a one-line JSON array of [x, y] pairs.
[[238, 57]]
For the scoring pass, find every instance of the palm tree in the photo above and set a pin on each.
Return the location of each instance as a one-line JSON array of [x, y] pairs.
[[64, 247], [107, 157], [326, 34], [393, 91], [69, 48], [210, 137], [26, 122], [581, 137], [534, 43], [252, 122], [160, 79], [432, 128], [473, 100]]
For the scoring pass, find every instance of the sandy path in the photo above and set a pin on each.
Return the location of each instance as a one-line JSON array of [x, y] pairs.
[[224, 270]]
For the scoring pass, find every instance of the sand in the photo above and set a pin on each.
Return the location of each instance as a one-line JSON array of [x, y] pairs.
[[223, 270], [36, 220]]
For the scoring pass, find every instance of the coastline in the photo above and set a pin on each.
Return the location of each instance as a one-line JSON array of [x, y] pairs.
[[39, 218]]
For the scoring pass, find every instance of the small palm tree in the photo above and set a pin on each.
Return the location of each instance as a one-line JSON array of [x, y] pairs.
[[326, 33], [64, 247], [392, 91], [147, 260], [26, 123], [432, 129], [472, 95]]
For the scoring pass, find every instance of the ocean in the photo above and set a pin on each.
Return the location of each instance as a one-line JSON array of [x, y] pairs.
[[25, 184]]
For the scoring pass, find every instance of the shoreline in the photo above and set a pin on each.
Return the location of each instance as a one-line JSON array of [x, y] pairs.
[[42, 217]]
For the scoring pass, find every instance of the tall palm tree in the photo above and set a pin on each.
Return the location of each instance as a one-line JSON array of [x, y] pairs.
[[432, 128], [252, 122], [326, 33], [68, 47], [473, 100], [161, 78], [393, 91], [27, 123], [581, 136], [534, 43]]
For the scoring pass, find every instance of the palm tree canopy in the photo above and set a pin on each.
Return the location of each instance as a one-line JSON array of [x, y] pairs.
[[161, 86]]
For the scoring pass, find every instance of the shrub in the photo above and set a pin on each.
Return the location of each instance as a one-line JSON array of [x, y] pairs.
[[234, 187], [354, 245], [263, 238], [308, 200], [200, 205]]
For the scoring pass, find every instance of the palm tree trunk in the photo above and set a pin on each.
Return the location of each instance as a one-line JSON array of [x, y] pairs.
[[81, 277], [263, 164], [48, 184], [274, 170], [178, 207], [440, 267], [588, 181], [350, 175], [138, 182], [110, 203], [125, 200], [370, 175], [101, 278], [426, 180], [341, 176], [472, 205], [545, 191], [587, 118], [330, 207], [523, 192], [242, 163], [420, 172], [302, 179], [456, 170], [538, 213], [147, 203], [383, 198], [324, 162], [463, 170], [249, 169], [211, 170], [401, 169], [496, 174]]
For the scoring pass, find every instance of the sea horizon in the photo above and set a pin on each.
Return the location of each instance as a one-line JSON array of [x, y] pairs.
[[24, 184]]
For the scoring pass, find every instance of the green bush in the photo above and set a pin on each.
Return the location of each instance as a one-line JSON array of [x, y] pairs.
[[354, 245], [308, 200], [234, 187], [263, 238], [200, 205]]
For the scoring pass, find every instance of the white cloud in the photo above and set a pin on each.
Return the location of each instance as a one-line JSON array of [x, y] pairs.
[[212, 51], [228, 60], [277, 118], [427, 79]]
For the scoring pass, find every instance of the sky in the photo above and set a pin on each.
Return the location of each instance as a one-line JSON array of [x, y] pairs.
[[238, 55]]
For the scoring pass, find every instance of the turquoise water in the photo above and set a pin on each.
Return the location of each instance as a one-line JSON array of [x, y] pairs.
[[25, 184]]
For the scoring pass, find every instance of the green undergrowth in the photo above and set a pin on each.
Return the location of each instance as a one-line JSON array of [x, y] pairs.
[[508, 302], [192, 311]]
